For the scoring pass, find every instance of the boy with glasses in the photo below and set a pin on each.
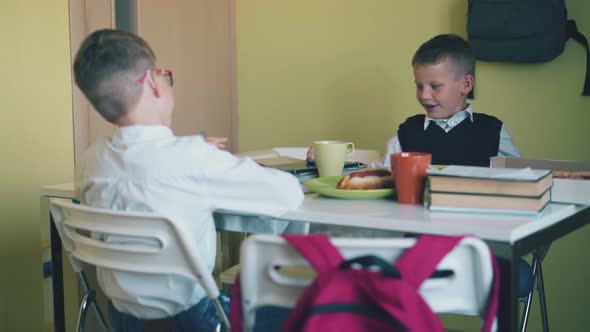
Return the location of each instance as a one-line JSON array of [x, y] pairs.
[[144, 167]]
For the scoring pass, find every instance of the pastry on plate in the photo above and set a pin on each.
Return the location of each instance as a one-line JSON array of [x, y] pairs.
[[367, 179], [571, 175]]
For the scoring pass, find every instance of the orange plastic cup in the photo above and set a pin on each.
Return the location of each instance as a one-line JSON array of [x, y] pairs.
[[409, 171]]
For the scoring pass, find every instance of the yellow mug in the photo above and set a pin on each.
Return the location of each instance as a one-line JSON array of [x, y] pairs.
[[330, 156]]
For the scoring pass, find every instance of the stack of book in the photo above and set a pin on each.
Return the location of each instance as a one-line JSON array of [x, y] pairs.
[[482, 189]]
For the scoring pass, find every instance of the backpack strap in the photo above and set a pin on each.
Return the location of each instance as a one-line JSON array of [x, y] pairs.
[[493, 298], [317, 249], [236, 315], [420, 261], [572, 32]]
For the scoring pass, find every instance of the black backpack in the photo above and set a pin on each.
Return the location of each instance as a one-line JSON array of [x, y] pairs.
[[522, 31]]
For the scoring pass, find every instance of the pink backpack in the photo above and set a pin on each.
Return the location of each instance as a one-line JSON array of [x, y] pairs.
[[345, 299]]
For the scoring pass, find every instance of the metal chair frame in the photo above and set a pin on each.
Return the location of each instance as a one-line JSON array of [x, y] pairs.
[[89, 300], [538, 285]]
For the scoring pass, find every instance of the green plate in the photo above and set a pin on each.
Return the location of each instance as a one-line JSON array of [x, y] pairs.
[[327, 186]]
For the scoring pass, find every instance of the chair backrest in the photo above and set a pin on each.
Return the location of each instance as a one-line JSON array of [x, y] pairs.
[[137, 242], [263, 257], [365, 156]]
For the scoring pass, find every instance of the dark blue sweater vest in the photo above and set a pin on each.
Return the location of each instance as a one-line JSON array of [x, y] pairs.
[[468, 143]]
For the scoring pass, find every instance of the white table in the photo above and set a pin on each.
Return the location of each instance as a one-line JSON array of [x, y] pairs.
[[509, 236], [386, 215]]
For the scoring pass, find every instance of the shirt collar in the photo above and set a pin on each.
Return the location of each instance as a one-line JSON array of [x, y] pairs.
[[133, 134], [454, 120]]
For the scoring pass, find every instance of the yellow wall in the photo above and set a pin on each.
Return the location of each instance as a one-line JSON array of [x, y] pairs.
[[310, 70], [332, 69], [35, 144]]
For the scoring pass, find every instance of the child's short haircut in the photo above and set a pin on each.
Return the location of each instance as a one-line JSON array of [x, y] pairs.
[[443, 47], [107, 68]]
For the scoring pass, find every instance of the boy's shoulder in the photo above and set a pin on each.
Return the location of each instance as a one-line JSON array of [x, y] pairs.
[[485, 117], [414, 119], [480, 119], [179, 148], [419, 118]]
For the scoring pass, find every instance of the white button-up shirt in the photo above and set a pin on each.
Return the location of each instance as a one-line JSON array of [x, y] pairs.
[[506, 147], [148, 169]]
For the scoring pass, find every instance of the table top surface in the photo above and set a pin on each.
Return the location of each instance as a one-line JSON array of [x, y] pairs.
[[63, 190], [389, 215], [384, 214]]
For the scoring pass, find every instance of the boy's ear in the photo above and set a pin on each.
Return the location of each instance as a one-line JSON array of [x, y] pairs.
[[468, 82]]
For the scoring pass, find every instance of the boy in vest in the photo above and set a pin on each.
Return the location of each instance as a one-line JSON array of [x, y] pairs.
[[444, 73], [145, 167]]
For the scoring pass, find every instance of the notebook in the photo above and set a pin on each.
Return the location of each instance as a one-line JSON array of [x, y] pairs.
[[303, 168]]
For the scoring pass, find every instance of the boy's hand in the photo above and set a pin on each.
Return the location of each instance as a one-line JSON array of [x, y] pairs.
[[310, 155], [219, 142]]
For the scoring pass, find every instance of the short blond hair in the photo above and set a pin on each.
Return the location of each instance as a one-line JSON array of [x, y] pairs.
[[447, 47], [107, 68]]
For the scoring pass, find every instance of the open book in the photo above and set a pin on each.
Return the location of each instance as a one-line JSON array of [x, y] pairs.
[[298, 167], [269, 157]]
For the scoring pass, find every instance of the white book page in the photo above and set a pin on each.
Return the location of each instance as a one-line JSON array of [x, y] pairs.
[[259, 154], [520, 174]]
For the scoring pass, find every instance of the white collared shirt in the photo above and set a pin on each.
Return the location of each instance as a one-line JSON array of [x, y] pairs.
[[505, 148], [148, 169]]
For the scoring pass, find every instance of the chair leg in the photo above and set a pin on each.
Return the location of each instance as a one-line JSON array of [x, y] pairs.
[[542, 301], [222, 315], [101, 318], [90, 300], [527, 308], [83, 310], [84, 281]]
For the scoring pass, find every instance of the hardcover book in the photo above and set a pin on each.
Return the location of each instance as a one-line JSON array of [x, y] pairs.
[[441, 201], [491, 181], [481, 189]]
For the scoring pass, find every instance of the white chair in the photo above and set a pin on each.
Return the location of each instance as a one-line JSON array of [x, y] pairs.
[[364, 156], [159, 246], [263, 257]]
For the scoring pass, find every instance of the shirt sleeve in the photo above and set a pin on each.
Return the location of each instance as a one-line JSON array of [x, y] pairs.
[[241, 185], [392, 146], [507, 147]]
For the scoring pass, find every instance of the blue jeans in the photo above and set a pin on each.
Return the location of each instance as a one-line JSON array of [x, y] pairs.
[[526, 279], [270, 318], [200, 317]]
